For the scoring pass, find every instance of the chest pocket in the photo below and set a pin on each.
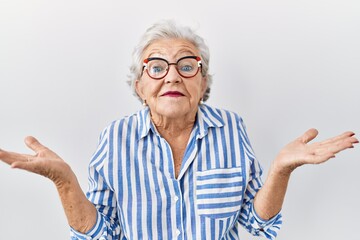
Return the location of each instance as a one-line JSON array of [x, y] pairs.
[[219, 192]]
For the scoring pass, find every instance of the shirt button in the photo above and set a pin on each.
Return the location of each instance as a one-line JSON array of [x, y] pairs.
[[176, 198], [177, 232]]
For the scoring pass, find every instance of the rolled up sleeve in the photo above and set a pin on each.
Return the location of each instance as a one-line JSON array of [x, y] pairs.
[[248, 217], [100, 193], [95, 233]]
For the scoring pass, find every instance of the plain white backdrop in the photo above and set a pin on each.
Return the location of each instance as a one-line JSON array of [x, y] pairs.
[[284, 66]]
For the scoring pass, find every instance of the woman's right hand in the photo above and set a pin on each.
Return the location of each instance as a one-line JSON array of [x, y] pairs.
[[45, 162], [80, 212]]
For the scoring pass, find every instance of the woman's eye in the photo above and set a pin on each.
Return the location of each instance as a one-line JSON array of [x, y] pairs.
[[156, 69], [186, 68]]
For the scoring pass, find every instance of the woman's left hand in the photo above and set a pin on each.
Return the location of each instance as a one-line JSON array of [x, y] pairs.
[[300, 151]]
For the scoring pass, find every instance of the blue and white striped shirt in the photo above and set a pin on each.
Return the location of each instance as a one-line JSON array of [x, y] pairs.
[[133, 186]]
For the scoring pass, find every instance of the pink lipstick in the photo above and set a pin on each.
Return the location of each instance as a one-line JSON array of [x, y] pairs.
[[173, 94]]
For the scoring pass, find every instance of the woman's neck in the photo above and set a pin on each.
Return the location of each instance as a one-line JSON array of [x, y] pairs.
[[173, 127]]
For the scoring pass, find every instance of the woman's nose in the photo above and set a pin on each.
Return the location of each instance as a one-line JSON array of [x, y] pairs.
[[173, 75]]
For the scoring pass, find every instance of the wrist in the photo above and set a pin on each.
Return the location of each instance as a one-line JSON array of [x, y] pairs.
[[66, 181], [282, 170]]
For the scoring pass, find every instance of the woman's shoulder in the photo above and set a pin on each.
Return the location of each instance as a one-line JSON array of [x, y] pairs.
[[220, 112], [130, 122], [133, 118], [228, 118]]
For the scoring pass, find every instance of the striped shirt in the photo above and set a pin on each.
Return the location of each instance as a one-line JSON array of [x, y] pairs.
[[132, 182]]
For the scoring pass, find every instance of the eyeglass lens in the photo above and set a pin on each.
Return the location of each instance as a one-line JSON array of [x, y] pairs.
[[186, 67]]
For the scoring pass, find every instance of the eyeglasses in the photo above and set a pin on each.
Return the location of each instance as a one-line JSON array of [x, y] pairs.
[[157, 68]]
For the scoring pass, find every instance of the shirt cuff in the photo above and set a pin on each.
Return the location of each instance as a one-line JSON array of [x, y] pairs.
[[267, 228], [262, 222], [94, 233]]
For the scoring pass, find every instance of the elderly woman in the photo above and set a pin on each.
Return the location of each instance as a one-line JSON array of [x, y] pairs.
[[176, 169]]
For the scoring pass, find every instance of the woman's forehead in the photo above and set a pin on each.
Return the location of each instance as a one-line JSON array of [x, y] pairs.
[[171, 48]]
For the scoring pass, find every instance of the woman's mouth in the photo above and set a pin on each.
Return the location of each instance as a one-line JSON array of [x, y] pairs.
[[172, 94]]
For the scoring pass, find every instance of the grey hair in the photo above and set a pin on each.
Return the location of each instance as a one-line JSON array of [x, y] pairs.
[[168, 29]]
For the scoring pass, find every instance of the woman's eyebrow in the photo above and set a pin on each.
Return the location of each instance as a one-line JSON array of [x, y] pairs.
[[181, 53], [156, 52], [185, 51]]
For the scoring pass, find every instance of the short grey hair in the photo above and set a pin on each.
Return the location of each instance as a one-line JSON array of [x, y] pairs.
[[167, 29]]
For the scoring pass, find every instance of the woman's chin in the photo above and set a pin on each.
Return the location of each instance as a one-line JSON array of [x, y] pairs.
[[173, 110]]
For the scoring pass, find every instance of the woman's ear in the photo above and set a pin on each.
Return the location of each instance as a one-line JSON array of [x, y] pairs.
[[203, 85], [139, 89]]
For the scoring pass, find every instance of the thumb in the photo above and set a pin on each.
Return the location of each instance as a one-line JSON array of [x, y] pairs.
[[34, 144], [308, 135]]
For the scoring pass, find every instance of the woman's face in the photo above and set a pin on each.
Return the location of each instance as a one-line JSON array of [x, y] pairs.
[[172, 96]]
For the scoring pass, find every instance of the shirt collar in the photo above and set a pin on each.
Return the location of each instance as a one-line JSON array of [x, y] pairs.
[[206, 118], [144, 122]]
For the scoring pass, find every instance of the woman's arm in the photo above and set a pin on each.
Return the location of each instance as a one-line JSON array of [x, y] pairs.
[[269, 199], [80, 212]]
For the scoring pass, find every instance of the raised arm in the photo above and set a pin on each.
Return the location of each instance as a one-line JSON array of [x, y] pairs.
[[80, 212], [268, 201]]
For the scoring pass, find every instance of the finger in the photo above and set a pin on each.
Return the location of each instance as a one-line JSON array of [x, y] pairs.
[[30, 165], [34, 144], [347, 142], [333, 149], [308, 135], [11, 157], [340, 143], [25, 165], [319, 158], [339, 137], [35, 165]]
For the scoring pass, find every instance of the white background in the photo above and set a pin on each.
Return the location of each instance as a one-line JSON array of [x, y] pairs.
[[284, 66]]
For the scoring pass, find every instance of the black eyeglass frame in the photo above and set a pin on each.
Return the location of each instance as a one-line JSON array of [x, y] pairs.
[[146, 60]]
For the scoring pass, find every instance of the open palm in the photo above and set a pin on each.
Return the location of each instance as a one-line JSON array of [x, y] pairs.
[[45, 162], [300, 151]]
